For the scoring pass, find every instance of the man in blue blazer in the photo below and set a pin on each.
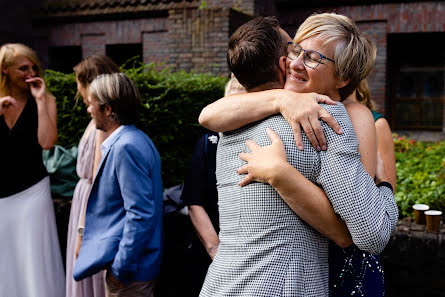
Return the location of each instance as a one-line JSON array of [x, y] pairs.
[[123, 221]]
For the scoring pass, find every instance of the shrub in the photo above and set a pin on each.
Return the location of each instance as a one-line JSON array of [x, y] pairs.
[[171, 101], [420, 174]]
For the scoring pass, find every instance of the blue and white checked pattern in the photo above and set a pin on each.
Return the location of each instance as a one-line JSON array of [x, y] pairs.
[[265, 248]]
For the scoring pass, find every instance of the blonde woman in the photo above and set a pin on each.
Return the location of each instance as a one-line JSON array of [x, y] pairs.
[[31, 263]]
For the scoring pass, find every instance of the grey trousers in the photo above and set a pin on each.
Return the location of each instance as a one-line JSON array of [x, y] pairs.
[[133, 289]]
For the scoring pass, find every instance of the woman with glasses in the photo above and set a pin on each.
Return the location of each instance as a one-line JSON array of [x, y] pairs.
[[31, 262], [329, 56]]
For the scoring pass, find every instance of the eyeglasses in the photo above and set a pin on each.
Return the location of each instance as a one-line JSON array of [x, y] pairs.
[[311, 58]]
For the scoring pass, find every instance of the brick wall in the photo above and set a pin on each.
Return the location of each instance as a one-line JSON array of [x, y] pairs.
[[155, 47], [94, 36], [376, 30], [244, 6], [198, 39]]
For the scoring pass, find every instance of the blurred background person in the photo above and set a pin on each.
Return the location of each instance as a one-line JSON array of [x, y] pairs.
[[87, 162], [31, 262]]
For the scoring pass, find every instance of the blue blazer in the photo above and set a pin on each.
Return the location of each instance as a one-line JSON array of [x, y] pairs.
[[123, 222]]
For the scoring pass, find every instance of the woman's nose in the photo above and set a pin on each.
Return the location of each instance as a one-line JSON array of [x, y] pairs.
[[298, 62]]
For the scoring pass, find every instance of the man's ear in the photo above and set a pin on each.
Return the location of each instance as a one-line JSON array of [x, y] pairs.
[[108, 110], [282, 66], [5, 70]]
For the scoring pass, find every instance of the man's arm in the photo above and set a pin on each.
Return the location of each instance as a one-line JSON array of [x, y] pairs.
[[204, 228], [142, 208], [299, 109], [370, 212], [195, 194]]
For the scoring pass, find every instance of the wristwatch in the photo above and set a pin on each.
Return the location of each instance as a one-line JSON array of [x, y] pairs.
[[80, 230]]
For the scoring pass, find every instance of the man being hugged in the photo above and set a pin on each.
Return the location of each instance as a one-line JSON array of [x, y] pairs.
[[123, 222]]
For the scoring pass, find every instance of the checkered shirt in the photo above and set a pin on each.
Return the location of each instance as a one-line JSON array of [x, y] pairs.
[[265, 248]]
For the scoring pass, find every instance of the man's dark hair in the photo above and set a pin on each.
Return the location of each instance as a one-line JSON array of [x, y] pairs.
[[254, 52]]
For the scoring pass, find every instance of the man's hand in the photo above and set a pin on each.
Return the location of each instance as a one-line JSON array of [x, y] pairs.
[[212, 251], [263, 162], [304, 110], [5, 102], [110, 277], [78, 244]]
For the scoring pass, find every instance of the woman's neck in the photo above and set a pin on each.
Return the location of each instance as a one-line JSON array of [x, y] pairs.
[[19, 94]]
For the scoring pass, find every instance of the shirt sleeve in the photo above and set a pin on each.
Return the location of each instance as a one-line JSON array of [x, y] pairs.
[[370, 212], [194, 191]]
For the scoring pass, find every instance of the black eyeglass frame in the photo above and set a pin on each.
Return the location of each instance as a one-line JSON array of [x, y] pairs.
[[304, 55]]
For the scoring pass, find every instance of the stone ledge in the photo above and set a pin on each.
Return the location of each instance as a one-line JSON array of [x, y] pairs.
[[414, 261]]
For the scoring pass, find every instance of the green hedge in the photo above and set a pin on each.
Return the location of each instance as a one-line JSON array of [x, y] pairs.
[[172, 102], [420, 174]]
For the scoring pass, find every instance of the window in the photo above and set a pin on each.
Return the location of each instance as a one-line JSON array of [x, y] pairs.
[[417, 69], [120, 53], [64, 58]]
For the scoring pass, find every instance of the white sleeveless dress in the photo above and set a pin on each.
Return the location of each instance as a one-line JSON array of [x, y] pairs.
[[30, 259]]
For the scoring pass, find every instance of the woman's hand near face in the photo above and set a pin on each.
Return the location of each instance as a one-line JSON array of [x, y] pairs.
[[5, 102], [46, 111], [263, 163], [37, 87]]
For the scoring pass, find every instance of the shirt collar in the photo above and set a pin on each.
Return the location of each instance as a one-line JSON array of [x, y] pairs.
[[105, 146]]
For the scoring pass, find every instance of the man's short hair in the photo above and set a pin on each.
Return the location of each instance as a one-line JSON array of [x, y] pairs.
[[254, 52], [354, 53], [119, 92]]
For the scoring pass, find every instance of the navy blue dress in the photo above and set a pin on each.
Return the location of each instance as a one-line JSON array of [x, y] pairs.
[[353, 272]]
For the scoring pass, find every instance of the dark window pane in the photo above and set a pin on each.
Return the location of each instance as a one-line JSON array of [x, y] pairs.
[[120, 53], [432, 84], [406, 111], [64, 58], [406, 85], [432, 111]]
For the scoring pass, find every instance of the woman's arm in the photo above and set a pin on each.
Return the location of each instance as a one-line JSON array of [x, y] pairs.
[[268, 164], [386, 149], [46, 111], [299, 109], [363, 123]]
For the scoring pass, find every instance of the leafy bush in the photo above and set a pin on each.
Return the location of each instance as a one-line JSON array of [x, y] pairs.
[[420, 174], [171, 101]]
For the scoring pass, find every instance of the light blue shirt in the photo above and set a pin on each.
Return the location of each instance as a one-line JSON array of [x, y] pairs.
[[110, 139]]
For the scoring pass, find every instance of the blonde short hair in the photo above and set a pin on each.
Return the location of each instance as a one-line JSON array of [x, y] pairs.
[[233, 87], [354, 51], [8, 53]]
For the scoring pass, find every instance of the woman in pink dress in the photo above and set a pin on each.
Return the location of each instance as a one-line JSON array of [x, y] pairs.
[[87, 161]]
